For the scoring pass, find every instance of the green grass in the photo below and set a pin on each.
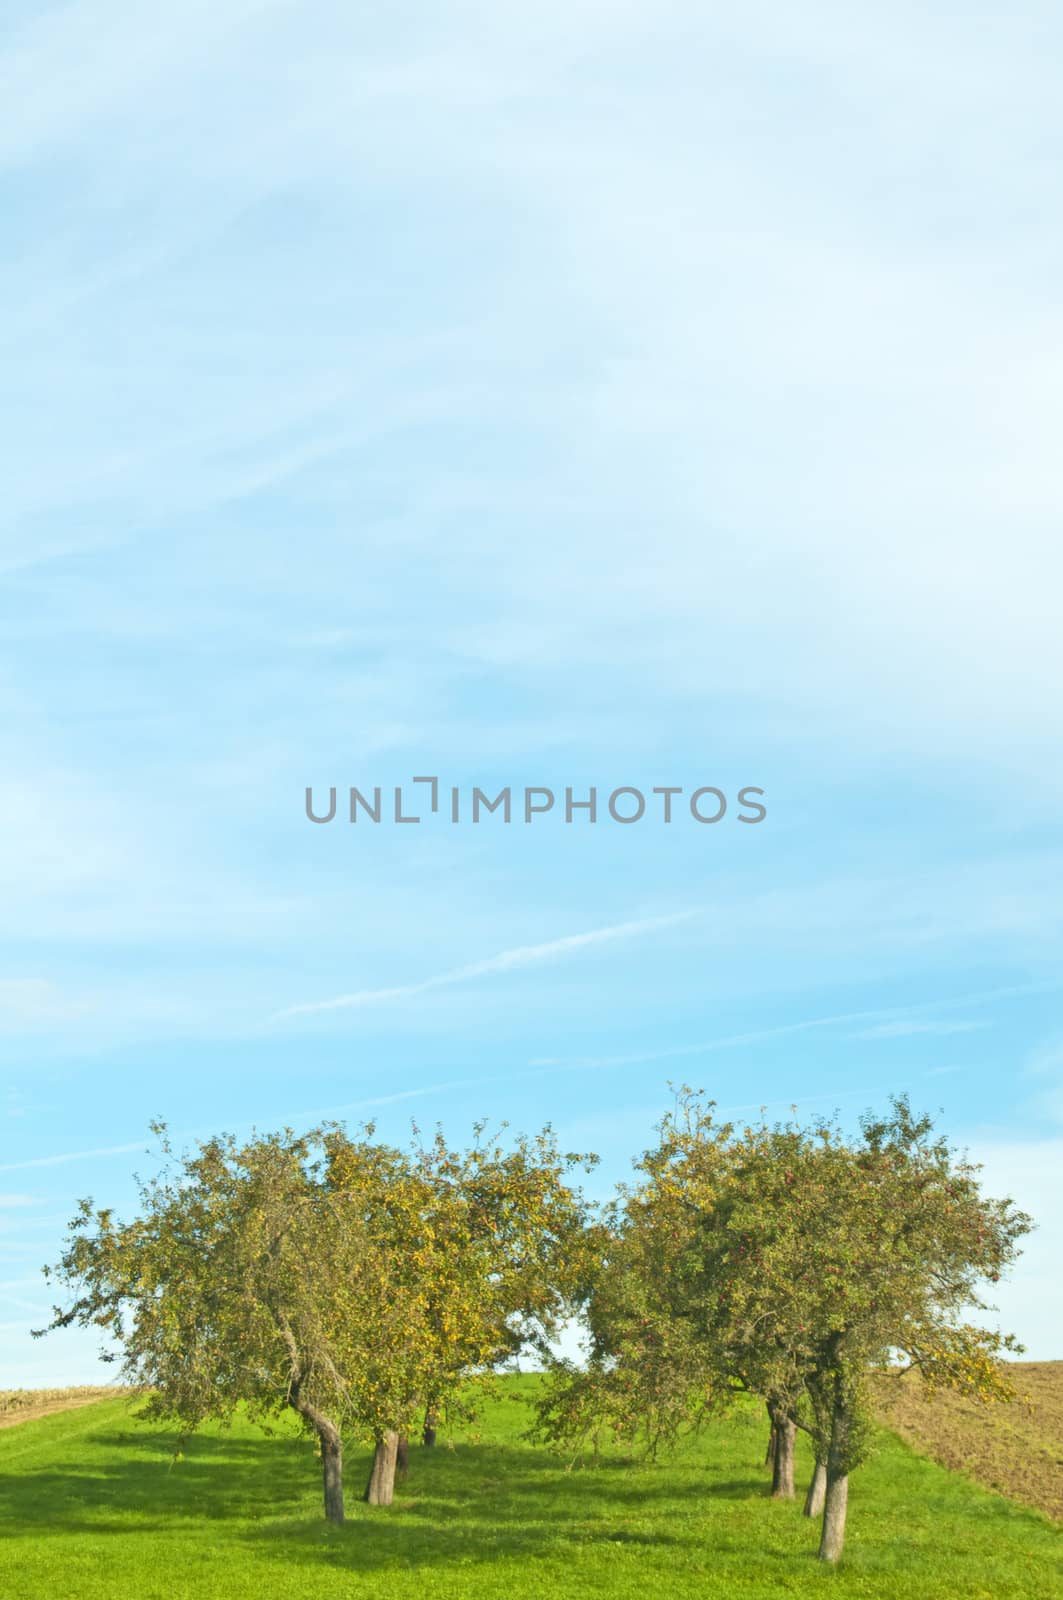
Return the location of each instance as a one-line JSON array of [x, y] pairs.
[[92, 1508]]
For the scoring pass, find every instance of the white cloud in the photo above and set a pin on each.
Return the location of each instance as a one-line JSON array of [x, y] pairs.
[[720, 274], [1030, 1301], [12, 1201], [78, 64]]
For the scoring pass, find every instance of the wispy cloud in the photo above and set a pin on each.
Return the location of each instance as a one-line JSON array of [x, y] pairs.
[[72, 1155], [1044, 1071], [1031, 1297], [27, 1001], [706, 1047], [506, 961], [9, 1202], [899, 1019], [902, 1029]]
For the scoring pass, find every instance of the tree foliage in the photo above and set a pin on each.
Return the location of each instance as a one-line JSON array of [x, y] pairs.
[[371, 1288], [334, 1275], [790, 1261]]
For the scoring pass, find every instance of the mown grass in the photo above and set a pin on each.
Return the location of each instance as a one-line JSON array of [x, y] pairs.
[[92, 1507]]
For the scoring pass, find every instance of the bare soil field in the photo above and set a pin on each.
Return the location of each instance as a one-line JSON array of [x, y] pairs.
[[1016, 1449], [26, 1405]]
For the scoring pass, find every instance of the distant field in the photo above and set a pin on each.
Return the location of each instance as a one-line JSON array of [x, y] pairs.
[[27, 1405], [1016, 1449], [94, 1507]]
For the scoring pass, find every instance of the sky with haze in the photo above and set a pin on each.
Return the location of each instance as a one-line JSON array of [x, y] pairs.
[[615, 394]]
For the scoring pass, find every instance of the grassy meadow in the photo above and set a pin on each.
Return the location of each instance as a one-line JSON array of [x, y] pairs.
[[94, 1507]]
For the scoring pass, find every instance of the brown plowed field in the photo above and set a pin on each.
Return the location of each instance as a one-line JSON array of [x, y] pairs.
[[1016, 1449]]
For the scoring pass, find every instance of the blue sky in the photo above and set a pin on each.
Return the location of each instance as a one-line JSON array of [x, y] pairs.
[[614, 394]]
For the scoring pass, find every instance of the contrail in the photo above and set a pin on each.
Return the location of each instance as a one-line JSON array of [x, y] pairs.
[[506, 961]]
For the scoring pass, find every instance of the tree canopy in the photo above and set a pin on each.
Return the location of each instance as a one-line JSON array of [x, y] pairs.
[[367, 1287], [790, 1261], [343, 1278]]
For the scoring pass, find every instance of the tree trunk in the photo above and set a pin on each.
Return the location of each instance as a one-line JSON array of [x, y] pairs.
[[331, 1443], [428, 1435], [817, 1491], [380, 1490], [332, 1472], [832, 1539], [402, 1456], [782, 1474]]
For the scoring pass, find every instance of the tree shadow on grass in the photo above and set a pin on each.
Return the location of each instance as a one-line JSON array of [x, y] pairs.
[[472, 1504], [132, 1481], [480, 1503], [465, 1507]]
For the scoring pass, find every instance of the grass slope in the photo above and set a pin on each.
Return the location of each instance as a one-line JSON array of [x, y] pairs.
[[92, 1508], [25, 1405]]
